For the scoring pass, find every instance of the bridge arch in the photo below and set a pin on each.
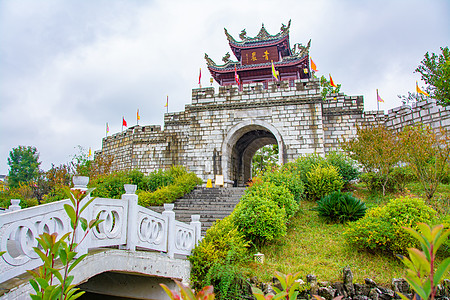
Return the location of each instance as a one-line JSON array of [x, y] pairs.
[[241, 143]]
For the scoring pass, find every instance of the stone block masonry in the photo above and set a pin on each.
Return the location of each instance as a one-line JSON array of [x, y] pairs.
[[218, 133]]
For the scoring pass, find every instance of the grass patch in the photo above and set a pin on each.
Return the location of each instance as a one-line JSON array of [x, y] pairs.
[[312, 246], [315, 247]]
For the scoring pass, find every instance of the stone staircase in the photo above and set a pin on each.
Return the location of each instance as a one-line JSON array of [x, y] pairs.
[[210, 203]]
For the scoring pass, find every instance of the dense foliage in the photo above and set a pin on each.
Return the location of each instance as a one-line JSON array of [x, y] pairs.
[[224, 243], [260, 219], [182, 184], [428, 154], [435, 71], [340, 207], [276, 193], [322, 180], [381, 228], [377, 149], [346, 166], [290, 180]]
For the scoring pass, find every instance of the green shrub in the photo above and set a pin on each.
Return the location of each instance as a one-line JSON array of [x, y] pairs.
[[322, 180], [346, 166], [168, 194], [23, 191], [340, 207], [110, 185], [401, 176], [157, 179], [276, 193], [223, 243], [381, 228], [373, 182], [444, 250], [58, 193], [290, 180], [397, 181], [303, 165], [260, 219], [228, 281]]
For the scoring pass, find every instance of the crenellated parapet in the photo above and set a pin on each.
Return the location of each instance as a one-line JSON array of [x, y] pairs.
[[424, 112]]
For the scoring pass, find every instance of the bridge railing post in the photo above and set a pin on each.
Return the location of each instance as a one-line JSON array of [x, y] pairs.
[[169, 214], [195, 222], [132, 198]]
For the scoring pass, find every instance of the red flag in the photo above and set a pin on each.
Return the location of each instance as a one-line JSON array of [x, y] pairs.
[[200, 77], [124, 123], [313, 66], [236, 76], [332, 82]]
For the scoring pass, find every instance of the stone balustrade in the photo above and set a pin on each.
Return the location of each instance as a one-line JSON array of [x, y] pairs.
[[126, 226]]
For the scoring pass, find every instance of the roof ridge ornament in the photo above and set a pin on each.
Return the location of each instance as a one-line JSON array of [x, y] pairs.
[[263, 35], [299, 50]]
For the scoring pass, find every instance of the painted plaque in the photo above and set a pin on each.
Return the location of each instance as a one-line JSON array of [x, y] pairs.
[[259, 55]]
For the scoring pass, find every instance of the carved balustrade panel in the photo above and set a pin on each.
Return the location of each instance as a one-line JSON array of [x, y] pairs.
[[18, 233], [113, 230], [184, 238], [151, 230]]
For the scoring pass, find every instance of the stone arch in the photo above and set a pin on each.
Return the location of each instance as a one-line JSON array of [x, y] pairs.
[[241, 143]]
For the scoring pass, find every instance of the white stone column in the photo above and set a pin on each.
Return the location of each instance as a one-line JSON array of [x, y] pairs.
[[195, 222], [169, 214], [14, 205], [132, 226]]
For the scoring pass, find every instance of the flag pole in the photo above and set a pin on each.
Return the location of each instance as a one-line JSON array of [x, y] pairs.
[[378, 102]]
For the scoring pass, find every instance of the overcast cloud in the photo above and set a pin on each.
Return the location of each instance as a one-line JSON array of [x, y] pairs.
[[68, 67]]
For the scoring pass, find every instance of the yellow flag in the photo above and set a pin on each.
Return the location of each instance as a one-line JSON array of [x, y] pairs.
[[90, 152], [274, 72], [137, 115], [419, 91]]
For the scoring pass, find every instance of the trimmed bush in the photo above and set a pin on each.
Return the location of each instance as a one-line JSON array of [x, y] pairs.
[[346, 166], [381, 228], [322, 180], [287, 179], [340, 207], [303, 165], [223, 243], [110, 185], [276, 193], [181, 185], [260, 219]]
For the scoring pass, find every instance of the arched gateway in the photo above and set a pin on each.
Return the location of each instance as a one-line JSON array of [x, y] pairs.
[[267, 96], [241, 143]]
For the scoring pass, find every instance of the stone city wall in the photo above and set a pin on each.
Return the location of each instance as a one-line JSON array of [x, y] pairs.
[[427, 113], [218, 133]]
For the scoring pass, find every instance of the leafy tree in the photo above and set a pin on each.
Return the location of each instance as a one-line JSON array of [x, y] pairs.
[[24, 164], [327, 88], [435, 71], [265, 158], [411, 98], [376, 148], [428, 154]]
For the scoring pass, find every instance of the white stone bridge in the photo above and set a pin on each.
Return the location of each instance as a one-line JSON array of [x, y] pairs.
[[149, 247]]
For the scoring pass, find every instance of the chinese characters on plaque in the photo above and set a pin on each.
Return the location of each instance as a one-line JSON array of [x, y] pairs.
[[259, 56]]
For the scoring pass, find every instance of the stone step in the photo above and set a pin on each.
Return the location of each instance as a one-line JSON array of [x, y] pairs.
[[210, 203]]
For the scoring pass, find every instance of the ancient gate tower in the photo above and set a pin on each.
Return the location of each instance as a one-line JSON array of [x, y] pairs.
[[218, 134]]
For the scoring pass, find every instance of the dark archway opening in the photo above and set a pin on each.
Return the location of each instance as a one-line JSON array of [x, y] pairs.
[[243, 152]]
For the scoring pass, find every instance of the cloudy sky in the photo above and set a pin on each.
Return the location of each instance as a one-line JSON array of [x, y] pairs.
[[68, 67]]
